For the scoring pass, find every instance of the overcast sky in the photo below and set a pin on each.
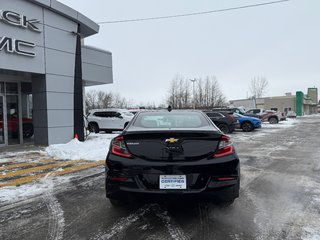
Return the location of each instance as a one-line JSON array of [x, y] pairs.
[[280, 42]]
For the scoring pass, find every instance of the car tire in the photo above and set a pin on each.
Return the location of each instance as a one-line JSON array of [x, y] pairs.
[[273, 120], [93, 127], [225, 204], [116, 202], [247, 127], [224, 128]]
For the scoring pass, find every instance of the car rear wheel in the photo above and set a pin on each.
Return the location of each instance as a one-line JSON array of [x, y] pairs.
[[247, 127], [224, 128], [273, 120], [93, 127], [225, 203], [116, 202]]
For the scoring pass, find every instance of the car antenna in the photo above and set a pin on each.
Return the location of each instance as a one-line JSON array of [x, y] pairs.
[[169, 108]]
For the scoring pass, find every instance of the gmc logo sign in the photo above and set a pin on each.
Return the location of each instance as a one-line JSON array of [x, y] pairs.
[[19, 20], [16, 46]]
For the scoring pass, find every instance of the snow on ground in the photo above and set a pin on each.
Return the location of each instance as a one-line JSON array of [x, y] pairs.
[[282, 124], [94, 148], [266, 128], [9, 194], [39, 188]]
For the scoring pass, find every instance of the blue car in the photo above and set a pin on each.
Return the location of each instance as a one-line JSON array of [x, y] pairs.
[[248, 124]]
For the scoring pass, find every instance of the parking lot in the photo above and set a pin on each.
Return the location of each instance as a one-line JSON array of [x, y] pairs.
[[279, 198]]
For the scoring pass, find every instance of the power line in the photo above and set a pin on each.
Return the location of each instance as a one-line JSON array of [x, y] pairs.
[[193, 14]]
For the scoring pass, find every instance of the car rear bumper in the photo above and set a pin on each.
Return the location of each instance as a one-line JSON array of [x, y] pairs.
[[218, 178]]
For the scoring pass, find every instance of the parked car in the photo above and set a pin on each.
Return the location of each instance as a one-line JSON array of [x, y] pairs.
[[13, 126], [283, 116], [248, 124], [291, 114], [177, 153], [108, 120], [223, 120], [229, 110], [264, 115]]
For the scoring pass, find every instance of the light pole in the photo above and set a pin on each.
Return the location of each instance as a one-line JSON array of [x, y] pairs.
[[194, 103]]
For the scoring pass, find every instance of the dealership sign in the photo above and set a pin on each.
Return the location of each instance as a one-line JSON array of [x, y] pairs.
[[16, 46]]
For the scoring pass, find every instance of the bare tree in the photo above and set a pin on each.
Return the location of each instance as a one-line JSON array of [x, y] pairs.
[[172, 99], [258, 87], [118, 101], [91, 100], [100, 99], [208, 93]]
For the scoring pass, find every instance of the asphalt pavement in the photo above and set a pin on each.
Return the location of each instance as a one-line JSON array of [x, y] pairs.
[[279, 199]]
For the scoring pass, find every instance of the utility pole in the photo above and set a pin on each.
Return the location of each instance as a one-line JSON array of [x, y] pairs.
[[194, 103]]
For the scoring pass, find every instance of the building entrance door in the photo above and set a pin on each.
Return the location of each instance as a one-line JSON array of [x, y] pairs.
[[2, 124], [16, 126], [13, 119]]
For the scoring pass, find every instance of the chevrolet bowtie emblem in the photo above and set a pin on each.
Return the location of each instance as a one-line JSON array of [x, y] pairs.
[[171, 140]]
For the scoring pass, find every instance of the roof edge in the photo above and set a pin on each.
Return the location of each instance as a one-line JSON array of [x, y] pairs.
[[87, 26]]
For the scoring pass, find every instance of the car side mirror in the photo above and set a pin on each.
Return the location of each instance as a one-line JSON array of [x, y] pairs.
[[120, 116]]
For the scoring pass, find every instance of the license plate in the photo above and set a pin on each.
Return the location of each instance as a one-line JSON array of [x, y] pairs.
[[173, 182]]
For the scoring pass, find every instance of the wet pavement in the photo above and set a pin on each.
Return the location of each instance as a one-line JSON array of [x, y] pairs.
[[279, 199]]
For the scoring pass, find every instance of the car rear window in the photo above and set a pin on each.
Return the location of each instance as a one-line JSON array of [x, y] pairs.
[[171, 120]]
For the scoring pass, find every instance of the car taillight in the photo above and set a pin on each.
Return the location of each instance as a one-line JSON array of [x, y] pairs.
[[225, 147], [118, 147]]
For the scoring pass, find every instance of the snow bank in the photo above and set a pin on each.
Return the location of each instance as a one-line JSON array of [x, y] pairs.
[[94, 148], [282, 124]]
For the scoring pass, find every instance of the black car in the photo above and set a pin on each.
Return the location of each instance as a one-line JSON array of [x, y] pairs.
[[225, 121], [169, 154]]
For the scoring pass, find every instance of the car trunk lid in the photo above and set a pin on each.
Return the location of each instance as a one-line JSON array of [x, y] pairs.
[[177, 146]]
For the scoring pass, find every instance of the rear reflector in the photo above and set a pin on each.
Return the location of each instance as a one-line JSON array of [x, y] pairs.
[[119, 179], [226, 178]]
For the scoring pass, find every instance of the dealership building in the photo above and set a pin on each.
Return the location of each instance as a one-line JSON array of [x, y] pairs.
[[44, 67], [302, 104]]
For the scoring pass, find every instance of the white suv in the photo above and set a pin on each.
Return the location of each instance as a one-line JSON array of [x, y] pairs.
[[108, 120]]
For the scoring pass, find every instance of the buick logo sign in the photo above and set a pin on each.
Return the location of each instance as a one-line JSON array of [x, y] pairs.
[[19, 20], [16, 46]]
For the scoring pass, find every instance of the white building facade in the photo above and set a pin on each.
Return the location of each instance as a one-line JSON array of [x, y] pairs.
[[43, 69]]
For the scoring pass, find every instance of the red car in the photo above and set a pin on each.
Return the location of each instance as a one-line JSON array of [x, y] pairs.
[[13, 126]]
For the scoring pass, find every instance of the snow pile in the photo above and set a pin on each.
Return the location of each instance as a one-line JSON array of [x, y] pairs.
[[310, 234], [282, 124], [94, 148]]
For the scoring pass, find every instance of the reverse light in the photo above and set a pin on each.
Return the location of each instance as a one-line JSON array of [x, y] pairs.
[[225, 147], [118, 147]]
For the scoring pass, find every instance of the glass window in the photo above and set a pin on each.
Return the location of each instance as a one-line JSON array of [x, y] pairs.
[[171, 120], [216, 115], [12, 88], [100, 114], [1, 87], [13, 120]]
